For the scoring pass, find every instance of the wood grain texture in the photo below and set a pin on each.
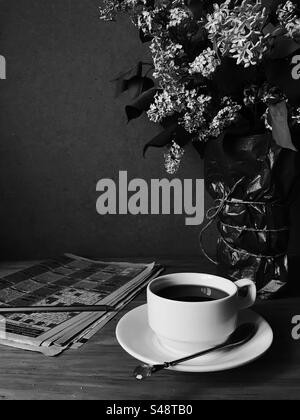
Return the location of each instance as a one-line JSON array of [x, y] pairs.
[[102, 370]]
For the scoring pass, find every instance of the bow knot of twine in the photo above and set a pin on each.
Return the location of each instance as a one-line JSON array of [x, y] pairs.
[[213, 212]]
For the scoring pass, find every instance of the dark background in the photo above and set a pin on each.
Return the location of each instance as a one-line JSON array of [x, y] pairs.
[[62, 130]]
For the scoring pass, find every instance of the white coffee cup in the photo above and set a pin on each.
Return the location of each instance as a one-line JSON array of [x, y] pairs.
[[187, 327]]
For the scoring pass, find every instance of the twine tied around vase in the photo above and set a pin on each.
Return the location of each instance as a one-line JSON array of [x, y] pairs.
[[213, 212]]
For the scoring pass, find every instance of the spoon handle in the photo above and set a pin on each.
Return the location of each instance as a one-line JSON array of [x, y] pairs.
[[194, 356], [145, 371], [241, 335]]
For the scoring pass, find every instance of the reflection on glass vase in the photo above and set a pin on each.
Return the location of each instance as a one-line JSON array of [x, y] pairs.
[[251, 180]]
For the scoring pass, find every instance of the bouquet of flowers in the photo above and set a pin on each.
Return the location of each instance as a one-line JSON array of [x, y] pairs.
[[224, 75], [208, 67]]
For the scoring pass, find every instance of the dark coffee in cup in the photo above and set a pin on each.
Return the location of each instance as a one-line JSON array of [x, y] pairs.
[[190, 312], [191, 293]]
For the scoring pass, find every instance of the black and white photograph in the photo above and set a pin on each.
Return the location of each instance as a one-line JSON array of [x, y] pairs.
[[150, 203]]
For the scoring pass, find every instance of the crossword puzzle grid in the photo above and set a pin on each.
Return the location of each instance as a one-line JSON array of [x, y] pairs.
[[68, 297], [61, 282]]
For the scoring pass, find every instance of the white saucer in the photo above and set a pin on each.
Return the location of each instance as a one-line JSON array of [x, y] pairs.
[[137, 339]]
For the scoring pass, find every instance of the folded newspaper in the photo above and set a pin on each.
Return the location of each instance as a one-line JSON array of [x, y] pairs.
[[67, 281]]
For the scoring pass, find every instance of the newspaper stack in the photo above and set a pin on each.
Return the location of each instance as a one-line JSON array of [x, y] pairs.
[[67, 281]]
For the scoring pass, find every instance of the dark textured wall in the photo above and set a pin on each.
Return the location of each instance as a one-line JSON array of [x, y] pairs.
[[62, 130]]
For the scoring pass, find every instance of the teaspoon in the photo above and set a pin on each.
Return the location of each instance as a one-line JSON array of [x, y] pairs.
[[241, 335]]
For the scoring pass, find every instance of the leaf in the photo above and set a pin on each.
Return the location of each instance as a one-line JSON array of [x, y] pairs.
[[144, 37], [242, 127], [141, 104], [200, 147], [122, 79], [162, 139], [198, 42], [173, 132], [182, 137], [230, 79], [133, 81], [170, 121], [150, 3], [137, 85], [147, 84], [196, 7], [283, 47], [121, 86]]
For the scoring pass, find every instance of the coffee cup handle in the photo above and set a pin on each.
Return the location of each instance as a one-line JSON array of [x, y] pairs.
[[249, 299]]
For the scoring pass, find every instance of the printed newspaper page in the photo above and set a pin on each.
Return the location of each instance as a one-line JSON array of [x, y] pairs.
[[66, 281]]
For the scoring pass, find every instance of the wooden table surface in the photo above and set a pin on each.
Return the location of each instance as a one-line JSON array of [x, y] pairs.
[[102, 370]]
